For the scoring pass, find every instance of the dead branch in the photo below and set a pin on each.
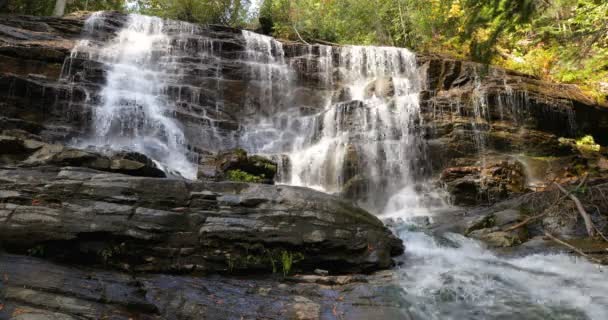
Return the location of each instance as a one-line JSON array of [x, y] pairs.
[[588, 223], [299, 36], [327, 43], [530, 219], [525, 222], [573, 248], [580, 185], [601, 234]]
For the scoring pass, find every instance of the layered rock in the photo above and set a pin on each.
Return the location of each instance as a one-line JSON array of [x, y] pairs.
[[60, 292], [147, 224], [467, 109]]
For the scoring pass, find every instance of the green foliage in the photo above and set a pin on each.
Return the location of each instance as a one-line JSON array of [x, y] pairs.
[[265, 259], [227, 12], [36, 251], [558, 40], [242, 176], [288, 259], [45, 7], [587, 143], [106, 254]]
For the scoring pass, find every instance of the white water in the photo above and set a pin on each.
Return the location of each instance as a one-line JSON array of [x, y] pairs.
[[373, 127], [134, 111], [457, 278], [448, 277]]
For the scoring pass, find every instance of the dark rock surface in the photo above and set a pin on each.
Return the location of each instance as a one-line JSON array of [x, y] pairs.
[[148, 224], [37, 289], [487, 182], [16, 150]]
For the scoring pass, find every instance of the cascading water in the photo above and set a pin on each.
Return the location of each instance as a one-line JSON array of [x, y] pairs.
[[134, 108], [369, 123]]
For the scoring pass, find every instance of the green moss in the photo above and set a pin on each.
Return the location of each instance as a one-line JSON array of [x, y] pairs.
[[267, 259], [242, 176], [587, 143], [288, 259], [36, 251]]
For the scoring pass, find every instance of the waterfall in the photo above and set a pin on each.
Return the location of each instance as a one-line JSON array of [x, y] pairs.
[[363, 141], [143, 92]]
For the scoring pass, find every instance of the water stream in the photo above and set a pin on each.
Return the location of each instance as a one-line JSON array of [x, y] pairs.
[[361, 138]]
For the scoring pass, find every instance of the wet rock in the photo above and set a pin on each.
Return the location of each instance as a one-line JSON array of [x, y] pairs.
[[236, 165], [490, 182], [36, 153], [483, 222], [495, 238], [63, 292], [382, 87], [149, 224]]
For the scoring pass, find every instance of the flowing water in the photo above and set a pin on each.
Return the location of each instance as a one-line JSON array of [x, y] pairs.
[[359, 136], [445, 277]]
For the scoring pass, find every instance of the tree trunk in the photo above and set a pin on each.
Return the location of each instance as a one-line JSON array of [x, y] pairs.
[[59, 8]]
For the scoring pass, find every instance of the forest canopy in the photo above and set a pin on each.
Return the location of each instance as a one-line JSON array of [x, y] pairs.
[[558, 40]]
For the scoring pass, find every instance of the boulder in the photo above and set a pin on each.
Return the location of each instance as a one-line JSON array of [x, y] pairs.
[[127, 162], [381, 87], [168, 225], [495, 238], [236, 165]]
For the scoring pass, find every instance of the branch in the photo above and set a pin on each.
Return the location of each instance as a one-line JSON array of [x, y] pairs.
[[327, 43], [530, 219], [525, 222], [299, 36], [573, 248], [588, 223]]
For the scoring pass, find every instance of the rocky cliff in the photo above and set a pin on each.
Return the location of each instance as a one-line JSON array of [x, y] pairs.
[[467, 109]]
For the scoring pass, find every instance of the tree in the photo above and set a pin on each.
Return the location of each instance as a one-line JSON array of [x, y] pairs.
[[227, 12], [59, 8]]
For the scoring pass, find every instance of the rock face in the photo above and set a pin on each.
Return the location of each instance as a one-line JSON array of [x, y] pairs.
[[60, 292], [488, 182], [32, 153], [468, 110]]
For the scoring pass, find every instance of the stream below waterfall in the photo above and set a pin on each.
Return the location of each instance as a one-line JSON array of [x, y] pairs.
[[369, 144], [453, 277]]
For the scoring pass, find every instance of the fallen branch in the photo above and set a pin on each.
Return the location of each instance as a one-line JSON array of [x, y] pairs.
[[582, 183], [573, 248], [530, 219], [588, 223], [525, 222], [327, 43]]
